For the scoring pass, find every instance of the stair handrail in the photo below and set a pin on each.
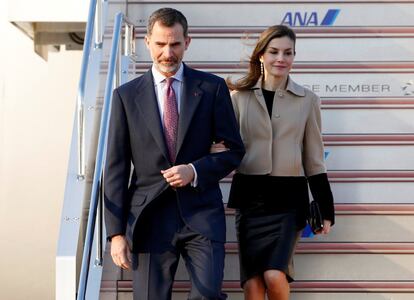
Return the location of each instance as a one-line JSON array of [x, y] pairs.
[[112, 81], [94, 21]]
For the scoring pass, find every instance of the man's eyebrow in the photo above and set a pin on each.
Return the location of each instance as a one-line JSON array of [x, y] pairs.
[[164, 43]]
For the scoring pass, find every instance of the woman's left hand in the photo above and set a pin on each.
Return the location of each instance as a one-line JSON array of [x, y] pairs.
[[218, 147], [326, 227]]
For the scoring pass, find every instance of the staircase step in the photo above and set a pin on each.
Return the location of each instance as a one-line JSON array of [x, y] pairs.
[[334, 261], [345, 103], [301, 290], [205, 47], [301, 32], [298, 67], [350, 80]]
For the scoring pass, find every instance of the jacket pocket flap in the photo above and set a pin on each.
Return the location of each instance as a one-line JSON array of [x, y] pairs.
[[138, 199]]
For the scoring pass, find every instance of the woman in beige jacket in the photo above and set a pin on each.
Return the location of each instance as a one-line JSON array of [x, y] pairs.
[[280, 124]]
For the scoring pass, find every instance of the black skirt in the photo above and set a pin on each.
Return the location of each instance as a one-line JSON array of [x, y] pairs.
[[266, 242], [271, 213]]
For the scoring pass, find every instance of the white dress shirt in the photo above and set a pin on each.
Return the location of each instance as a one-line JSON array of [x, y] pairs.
[[160, 86]]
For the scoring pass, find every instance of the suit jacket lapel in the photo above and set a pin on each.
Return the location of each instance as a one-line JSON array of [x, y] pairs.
[[191, 96], [148, 106]]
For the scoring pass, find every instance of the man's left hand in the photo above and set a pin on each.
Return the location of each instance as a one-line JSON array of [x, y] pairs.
[[178, 176]]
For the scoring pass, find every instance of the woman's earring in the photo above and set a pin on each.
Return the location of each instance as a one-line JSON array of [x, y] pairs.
[[261, 68]]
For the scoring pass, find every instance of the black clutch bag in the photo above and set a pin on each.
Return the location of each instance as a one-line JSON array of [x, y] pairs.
[[315, 217]]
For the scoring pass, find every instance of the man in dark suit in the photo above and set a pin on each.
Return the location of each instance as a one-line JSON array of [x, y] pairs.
[[163, 124]]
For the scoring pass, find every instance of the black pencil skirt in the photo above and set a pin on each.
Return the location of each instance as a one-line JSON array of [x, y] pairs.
[[267, 241]]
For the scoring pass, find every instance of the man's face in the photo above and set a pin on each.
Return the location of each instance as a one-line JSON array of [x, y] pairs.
[[167, 46]]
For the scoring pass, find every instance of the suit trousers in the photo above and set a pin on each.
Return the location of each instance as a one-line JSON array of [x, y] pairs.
[[163, 239]]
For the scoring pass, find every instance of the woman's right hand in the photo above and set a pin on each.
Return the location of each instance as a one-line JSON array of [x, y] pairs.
[[218, 147]]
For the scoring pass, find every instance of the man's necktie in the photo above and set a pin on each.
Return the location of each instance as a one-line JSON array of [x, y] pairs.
[[170, 119]]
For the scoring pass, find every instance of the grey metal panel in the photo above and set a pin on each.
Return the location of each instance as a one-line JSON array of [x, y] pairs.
[[354, 267], [373, 192], [265, 13], [367, 157], [369, 121], [356, 80]]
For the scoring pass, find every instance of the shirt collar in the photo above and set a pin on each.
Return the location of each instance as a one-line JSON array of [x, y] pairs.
[[158, 77]]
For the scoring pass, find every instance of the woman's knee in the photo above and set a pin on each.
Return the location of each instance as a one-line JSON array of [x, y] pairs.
[[254, 284], [275, 279]]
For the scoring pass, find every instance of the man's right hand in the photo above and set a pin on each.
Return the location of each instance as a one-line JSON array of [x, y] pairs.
[[120, 252]]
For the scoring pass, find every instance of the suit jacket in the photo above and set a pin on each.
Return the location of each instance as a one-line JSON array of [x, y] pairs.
[[136, 136], [288, 144]]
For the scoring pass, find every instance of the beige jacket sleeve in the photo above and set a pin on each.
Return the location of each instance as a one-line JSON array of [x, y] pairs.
[[235, 106], [313, 152]]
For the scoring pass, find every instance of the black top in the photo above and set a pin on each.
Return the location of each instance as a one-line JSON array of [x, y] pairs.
[[268, 95]]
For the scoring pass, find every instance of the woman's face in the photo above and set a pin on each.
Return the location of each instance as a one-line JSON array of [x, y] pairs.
[[278, 57]]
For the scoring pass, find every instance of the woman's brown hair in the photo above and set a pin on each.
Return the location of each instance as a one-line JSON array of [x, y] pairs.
[[254, 73]]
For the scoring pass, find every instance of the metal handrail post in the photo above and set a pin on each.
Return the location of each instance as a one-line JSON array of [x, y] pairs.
[[99, 226], [129, 42], [99, 24], [81, 90], [103, 131], [117, 70], [81, 138]]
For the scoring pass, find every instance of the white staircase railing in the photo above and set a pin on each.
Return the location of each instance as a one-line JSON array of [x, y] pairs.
[[117, 75], [77, 186], [78, 275]]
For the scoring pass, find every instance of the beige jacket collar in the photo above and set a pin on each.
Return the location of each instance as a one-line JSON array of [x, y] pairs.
[[292, 87]]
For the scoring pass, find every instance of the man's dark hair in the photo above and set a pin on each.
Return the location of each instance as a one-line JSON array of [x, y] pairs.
[[167, 17]]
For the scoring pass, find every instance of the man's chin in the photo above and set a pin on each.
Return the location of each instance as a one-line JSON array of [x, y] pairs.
[[172, 69]]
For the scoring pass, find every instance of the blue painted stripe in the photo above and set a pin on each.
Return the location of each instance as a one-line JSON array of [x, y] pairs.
[[330, 17]]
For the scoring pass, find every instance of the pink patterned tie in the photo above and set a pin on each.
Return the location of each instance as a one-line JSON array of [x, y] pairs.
[[170, 119]]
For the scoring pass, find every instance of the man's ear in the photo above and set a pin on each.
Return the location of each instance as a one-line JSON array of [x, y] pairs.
[[187, 42], [147, 41]]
